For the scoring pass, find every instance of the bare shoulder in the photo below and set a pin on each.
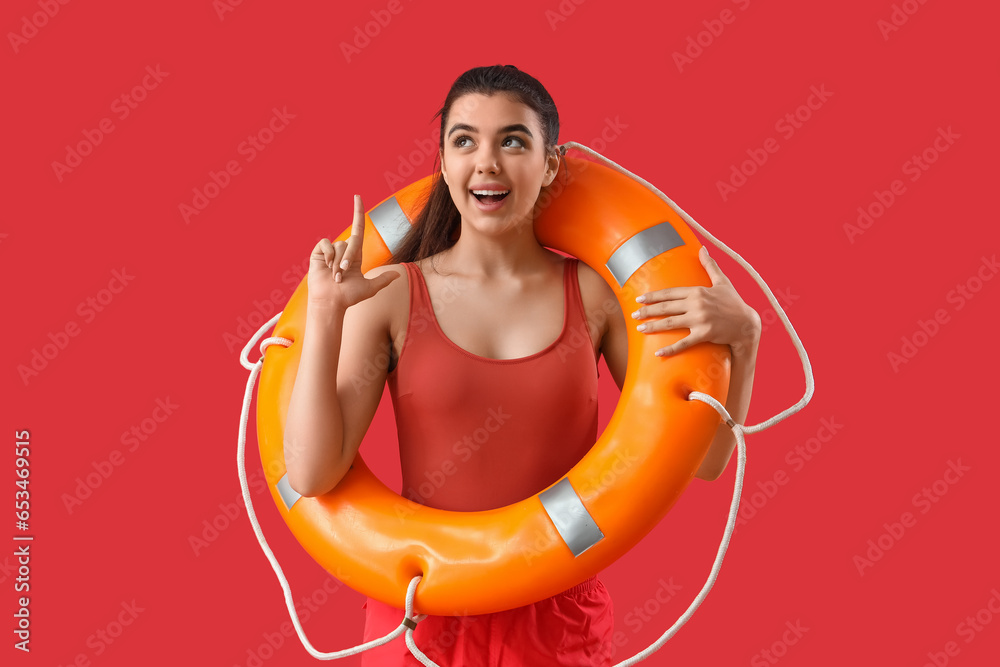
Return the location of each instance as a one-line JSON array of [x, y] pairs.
[[599, 299], [387, 300], [389, 308], [378, 270], [607, 323]]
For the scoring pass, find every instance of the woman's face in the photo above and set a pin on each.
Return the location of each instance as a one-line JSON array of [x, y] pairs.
[[494, 143]]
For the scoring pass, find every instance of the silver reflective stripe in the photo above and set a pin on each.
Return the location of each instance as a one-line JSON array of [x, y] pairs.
[[289, 496], [641, 248], [391, 223], [574, 523]]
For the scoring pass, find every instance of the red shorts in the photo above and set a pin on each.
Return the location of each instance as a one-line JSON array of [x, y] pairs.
[[570, 628]]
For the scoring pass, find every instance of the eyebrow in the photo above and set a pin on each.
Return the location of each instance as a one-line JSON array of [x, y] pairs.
[[510, 128]]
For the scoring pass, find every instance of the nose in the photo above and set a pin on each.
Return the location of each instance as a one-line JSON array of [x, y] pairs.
[[486, 161]]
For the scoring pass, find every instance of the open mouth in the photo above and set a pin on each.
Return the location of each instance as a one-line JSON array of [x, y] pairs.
[[490, 196]]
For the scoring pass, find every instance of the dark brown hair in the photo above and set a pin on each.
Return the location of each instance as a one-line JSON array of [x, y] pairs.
[[439, 223]]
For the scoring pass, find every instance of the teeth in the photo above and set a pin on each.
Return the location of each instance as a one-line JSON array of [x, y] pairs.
[[490, 192]]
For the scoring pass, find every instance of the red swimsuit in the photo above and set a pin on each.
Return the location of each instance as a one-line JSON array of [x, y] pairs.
[[478, 433]]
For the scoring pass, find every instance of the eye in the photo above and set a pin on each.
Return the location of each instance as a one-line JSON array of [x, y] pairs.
[[458, 141], [520, 143]]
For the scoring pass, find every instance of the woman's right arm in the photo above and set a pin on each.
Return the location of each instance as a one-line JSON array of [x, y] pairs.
[[335, 396], [314, 425]]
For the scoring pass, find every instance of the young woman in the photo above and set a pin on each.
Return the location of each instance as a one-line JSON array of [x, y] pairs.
[[471, 329]]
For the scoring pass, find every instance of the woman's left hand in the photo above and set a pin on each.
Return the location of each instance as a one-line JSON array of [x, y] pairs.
[[714, 314]]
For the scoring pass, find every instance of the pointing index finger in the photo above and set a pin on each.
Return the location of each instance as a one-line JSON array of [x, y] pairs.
[[354, 243], [358, 228]]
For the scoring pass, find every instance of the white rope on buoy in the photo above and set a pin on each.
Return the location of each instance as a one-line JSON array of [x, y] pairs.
[[741, 461], [240, 458], [410, 620]]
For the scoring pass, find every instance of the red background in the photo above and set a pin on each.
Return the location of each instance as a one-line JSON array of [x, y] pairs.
[[164, 335]]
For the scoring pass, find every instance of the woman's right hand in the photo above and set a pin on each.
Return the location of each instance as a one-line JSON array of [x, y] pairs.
[[335, 277]]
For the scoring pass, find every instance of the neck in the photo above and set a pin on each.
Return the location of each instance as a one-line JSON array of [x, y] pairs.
[[509, 254]]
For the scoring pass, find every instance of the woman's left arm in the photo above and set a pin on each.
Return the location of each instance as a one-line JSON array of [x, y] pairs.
[[714, 314]]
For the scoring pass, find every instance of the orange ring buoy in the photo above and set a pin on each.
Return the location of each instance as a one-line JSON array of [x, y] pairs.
[[376, 541]]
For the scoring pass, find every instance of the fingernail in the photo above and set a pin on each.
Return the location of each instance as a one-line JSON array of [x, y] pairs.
[[336, 277], [635, 315], [641, 327], [345, 265], [641, 298]]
